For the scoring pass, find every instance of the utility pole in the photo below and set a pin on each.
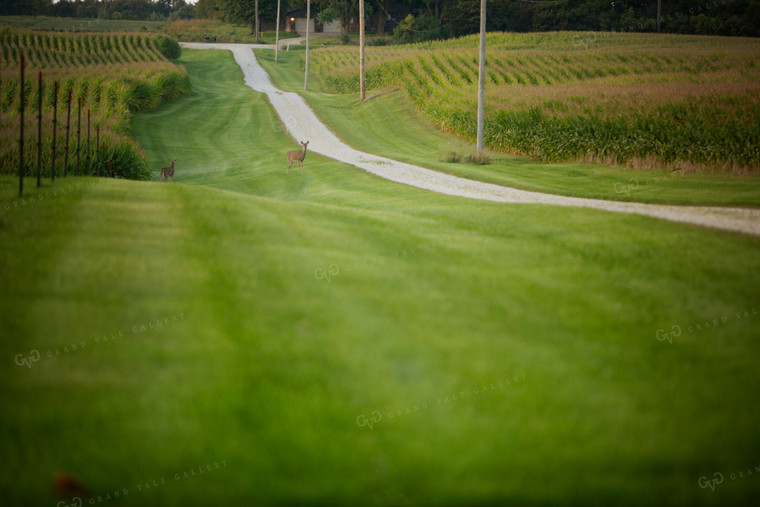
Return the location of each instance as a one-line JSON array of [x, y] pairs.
[[362, 84], [277, 33], [482, 77], [659, 16], [256, 16], [306, 70]]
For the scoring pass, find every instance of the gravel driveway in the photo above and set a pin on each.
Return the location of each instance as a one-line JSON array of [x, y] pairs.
[[303, 125]]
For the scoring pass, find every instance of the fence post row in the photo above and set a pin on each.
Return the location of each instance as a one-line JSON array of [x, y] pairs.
[[100, 147]]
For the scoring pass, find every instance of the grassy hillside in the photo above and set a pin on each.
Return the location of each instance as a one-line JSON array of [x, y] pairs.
[[328, 337], [643, 100], [246, 337], [374, 126], [108, 76]]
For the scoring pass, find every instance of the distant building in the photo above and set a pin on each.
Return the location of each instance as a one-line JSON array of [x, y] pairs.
[[331, 28], [296, 22]]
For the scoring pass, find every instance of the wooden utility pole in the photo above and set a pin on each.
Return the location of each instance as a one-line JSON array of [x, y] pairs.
[[277, 33], [306, 70], [362, 85], [482, 77], [659, 16], [256, 18]]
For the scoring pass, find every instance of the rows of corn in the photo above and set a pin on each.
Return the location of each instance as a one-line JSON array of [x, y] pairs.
[[108, 76], [689, 103]]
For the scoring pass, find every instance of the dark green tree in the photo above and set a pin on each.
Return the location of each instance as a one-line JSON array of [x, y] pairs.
[[243, 11], [207, 9], [343, 10]]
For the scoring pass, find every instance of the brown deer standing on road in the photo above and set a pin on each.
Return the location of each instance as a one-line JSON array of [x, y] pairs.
[[297, 156], [168, 172]]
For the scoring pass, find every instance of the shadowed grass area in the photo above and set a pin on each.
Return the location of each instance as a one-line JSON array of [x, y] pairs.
[[389, 125], [331, 338]]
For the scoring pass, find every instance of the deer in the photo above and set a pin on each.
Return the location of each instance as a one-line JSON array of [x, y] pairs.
[[168, 172], [297, 156]]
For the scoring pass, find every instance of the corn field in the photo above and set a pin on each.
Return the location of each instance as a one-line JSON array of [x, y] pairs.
[[630, 99], [108, 76]]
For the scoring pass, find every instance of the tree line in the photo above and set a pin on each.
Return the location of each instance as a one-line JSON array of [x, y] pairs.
[[103, 9], [439, 19], [416, 20]]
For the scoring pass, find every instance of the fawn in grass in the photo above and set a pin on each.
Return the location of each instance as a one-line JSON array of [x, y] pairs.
[[168, 172], [297, 156]]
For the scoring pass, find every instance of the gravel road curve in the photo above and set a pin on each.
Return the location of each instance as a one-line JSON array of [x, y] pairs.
[[303, 125]]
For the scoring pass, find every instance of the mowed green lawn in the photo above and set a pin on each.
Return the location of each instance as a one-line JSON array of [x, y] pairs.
[[244, 337]]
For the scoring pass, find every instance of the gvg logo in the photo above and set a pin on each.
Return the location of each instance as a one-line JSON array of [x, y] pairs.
[[627, 188], [674, 332], [376, 417], [33, 357], [332, 271], [75, 502], [290, 123], [703, 325], [704, 482], [584, 40]]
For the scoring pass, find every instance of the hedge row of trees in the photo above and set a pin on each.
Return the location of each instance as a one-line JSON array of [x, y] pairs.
[[103, 9], [436, 19], [701, 17]]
